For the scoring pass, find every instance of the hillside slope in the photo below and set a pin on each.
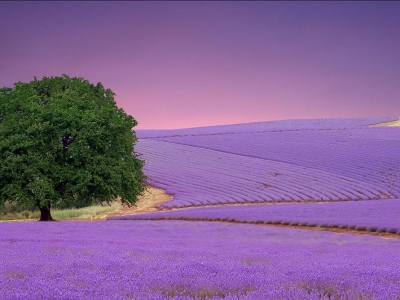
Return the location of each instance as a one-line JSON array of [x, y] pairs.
[[292, 160]]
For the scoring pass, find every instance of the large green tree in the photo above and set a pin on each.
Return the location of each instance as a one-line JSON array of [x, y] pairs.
[[64, 140]]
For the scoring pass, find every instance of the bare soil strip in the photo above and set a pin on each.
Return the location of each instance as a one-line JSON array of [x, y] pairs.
[[145, 204], [155, 196], [391, 123]]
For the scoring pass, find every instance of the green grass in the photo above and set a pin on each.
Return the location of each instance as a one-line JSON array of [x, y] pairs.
[[59, 214], [12, 216], [85, 212]]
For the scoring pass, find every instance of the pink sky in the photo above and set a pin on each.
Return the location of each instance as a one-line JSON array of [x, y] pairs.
[[187, 64]]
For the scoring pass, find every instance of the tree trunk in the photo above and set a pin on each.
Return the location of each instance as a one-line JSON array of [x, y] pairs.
[[45, 213]]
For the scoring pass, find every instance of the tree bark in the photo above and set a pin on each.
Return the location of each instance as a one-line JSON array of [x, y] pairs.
[[45, 213]]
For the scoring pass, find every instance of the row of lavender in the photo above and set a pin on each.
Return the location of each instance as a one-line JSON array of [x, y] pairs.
[[192, 260], [295, 125], [361, 154], [329, 163], [302, 168], [373, 216], [197, 177]]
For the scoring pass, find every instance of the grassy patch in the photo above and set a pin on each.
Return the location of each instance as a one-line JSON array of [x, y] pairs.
[[20, 215], [85, 212], [59, 214]]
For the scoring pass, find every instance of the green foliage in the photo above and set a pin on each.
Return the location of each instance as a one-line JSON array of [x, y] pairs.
[[2, 207], [64, 141]]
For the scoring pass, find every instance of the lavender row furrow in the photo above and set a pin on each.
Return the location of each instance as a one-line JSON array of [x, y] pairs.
[[323, 156], [363, 154], [227, 178], [254, 142], [294, 125], [373, 215], [206, 157]]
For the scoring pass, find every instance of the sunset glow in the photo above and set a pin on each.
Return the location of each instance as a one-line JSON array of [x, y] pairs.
[[188, 64]]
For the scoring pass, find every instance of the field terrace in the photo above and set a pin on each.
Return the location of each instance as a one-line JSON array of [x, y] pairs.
[[282, 161], [365, 216], [339, 163]]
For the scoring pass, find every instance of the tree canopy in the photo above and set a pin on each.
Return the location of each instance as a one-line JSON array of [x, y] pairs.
[[64, 140]]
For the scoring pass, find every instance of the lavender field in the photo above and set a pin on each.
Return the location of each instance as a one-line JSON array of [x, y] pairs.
[[372, 216], [192, 260], [282, 161], [340, 173]]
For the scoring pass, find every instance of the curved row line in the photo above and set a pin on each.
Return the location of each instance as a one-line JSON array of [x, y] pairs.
[[361, 216], [201, 176], [374, 161], [281, 125]]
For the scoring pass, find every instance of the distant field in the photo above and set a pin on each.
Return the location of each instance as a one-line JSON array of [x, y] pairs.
[[345, 161], [282, 161]]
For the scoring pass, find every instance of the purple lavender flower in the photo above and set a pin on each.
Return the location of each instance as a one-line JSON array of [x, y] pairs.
[[192, 260]]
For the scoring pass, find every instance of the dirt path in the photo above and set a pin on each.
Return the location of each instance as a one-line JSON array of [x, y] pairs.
[[146, 203], [391, 123], [154, 196]]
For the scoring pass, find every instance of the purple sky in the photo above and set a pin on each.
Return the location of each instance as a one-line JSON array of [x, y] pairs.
[[187, 64]]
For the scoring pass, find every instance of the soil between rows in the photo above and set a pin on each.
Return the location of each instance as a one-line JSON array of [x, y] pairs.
[[156, 196]]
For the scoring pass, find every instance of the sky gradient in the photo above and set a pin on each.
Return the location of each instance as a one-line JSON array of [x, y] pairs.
[[188, 64]]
